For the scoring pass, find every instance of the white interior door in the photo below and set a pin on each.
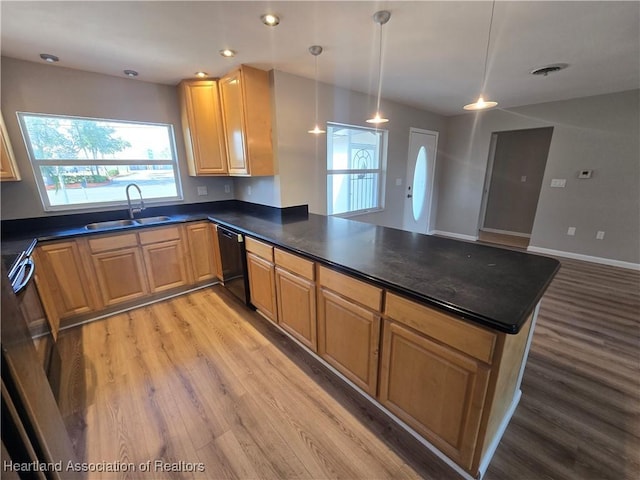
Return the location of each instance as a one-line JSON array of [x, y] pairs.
[[421, 167]]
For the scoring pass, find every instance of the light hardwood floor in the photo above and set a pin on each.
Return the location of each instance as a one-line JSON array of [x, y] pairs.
[[199, 378]]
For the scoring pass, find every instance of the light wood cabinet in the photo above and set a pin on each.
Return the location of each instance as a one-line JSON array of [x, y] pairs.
[[261, 269], [246, 112], [119, 269], [202, 127], [62, 281], [296, 297], [349, 327], [437, 390], [164, 258], [200, 245], [8, 167]]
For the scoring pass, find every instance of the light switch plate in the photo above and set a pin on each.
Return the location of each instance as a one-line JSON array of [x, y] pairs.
[[559, 182], [227, 188], [202, 191], [600, 235], [398, 182], [523, 178], [571, 231]]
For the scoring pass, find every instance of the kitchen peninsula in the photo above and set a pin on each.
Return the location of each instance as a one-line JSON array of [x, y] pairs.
[[433, 330]]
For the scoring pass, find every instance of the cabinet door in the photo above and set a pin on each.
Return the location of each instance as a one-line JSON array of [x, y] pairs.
[[435, 389], [233, 114], [297, 307], [262, 286], [61, 275], [120, 275], [8, 167], [201, 251], [202, 127], [165, 266], [348, 338]]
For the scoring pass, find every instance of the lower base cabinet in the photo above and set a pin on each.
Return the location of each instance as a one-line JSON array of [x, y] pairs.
[[435, 389], [261, 271], [349, 327], [296, 296], [120, 275], [164, 257]]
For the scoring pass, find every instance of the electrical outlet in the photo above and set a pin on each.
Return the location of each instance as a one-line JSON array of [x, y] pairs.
[[558, 182], [523, 178], [249, 190], [202, 191], [571, 231], [227, 188], [600, 235]]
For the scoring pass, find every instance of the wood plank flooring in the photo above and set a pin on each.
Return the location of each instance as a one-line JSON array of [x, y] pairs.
[[200, 379]]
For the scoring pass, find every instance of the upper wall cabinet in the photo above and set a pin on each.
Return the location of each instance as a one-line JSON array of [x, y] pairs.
[[8, 167], [246, 110], [202, 126]]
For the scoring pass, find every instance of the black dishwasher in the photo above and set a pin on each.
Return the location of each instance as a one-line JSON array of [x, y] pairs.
[[234, 263]]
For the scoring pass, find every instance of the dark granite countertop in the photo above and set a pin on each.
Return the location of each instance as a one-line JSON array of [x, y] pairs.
[[494, 287]]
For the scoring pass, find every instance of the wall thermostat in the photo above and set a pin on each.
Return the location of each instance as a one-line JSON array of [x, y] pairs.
[[585, 173]]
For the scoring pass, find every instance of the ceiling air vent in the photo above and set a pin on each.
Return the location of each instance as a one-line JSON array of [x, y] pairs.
[[546, 70]]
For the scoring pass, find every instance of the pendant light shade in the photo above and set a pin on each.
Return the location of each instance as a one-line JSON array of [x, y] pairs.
[[380, 18], [316, 50], [481, 103]]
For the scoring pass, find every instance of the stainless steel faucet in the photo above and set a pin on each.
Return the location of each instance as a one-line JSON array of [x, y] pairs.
[[132, 210]]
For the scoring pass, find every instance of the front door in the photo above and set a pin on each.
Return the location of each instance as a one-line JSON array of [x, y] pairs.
[[421, 167]]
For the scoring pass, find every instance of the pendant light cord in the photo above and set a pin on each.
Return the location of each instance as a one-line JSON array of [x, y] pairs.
[[486, 55], [316, 77], [379, 71]]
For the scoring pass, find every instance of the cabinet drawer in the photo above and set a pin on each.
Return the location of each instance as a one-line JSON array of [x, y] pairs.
[[294, 264], [349, 287], [159, 235], [261, 249], [113, 242], [474, 341]]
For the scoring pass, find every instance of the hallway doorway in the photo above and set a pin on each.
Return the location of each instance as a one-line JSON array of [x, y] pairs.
[[517, 160]]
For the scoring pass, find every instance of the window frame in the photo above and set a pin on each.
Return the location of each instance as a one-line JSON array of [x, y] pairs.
[[36, 164], [381, 170]]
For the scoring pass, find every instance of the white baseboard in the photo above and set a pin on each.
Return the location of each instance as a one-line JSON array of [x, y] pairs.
[[506, 232], [459, 236], [586, 258]]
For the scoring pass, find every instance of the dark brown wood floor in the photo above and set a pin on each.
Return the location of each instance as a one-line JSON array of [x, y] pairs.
[[201, 379]]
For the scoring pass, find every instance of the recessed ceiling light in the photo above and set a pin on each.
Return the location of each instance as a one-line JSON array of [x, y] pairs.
[[47, 57], [202, 74], [270, 19], [228, 53], [131, 73]]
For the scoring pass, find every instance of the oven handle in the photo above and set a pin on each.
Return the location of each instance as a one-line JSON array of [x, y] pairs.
[[23, 277]]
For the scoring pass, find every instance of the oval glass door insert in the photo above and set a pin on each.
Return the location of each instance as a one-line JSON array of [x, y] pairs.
[[419, 183]]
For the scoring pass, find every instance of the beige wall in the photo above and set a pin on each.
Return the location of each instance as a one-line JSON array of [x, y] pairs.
[[302, 156], [598, 133], [43, 88]]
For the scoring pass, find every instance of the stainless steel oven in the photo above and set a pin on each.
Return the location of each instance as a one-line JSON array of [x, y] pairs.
[[28, 300], [234, 263]]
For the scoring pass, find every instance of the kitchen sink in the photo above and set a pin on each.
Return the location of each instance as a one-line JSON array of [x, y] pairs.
[[111, 224], [127, 222], [148, 220]]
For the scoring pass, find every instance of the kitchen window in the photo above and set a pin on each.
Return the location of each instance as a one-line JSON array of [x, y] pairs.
[[355, 169], [83, 162]]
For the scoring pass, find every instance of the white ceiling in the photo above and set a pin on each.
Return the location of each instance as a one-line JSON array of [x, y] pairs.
[[433, 51]]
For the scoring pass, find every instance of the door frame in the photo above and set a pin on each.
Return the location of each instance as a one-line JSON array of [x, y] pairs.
[[428, 230]]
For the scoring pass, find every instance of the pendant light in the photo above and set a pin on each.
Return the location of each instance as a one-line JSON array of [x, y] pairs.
[[316, 50], [481, 103], [380, 18]]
